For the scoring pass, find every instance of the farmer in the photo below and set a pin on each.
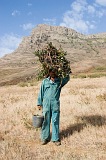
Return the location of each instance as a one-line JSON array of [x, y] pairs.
[[48, 101]]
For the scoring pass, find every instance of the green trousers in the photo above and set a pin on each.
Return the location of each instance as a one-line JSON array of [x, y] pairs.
[[51, 114]]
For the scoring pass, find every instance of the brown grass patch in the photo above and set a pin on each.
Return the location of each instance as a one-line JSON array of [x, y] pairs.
[[82, 122]]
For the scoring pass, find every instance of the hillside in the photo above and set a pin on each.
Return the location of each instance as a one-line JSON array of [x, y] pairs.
[[84, 52]]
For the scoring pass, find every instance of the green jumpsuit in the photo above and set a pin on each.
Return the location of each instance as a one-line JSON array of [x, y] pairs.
[[48, 98]]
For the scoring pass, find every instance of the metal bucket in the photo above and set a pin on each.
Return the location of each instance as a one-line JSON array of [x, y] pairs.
[[37, 121]]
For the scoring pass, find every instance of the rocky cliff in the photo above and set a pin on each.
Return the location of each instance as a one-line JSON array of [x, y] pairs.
[[83, 51]]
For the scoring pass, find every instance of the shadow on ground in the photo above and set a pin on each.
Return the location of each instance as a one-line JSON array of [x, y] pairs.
[[93, 120], [71, 129]]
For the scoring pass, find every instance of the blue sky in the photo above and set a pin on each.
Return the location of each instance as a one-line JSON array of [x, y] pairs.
[[19, 17]]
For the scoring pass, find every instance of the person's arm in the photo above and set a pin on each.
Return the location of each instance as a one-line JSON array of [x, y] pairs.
[[65, 80], [40, 95]]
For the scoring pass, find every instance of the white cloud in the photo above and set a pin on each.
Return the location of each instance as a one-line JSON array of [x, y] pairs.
[[91, 9], [101, 13], [79, 6], [79, 25], [15, 13], [82, 16], [27, 26], [50, 21], [8, 43], [29, 4], [101, 2], [4, 51]]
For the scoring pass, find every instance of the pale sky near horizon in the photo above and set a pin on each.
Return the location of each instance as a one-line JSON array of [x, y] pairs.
[[19, 17]]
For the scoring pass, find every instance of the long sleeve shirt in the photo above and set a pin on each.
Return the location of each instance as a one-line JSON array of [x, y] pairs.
[[50, 90]]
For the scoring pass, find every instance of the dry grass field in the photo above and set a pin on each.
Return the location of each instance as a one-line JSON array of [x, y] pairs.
[[82, 122]]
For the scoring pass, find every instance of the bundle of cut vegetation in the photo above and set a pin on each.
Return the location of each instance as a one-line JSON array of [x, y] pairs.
[[50, 57]]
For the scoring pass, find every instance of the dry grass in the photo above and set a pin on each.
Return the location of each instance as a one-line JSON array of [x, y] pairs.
[[82, 123]]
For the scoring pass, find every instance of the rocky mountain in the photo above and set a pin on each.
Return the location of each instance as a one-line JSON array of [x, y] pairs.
[[83, 51]]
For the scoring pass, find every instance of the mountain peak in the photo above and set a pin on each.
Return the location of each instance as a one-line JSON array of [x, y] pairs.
[[58, 29], [83, 52]]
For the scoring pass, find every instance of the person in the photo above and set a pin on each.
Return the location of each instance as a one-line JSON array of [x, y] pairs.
[[48, 101]]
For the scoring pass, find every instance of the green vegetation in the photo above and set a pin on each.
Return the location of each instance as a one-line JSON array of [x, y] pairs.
[[89, 75], [96, 72], [100, 69], [32, 82], [101, 97], [50, 57]]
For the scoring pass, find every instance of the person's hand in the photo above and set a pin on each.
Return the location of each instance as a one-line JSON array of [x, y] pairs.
[[39, 107]]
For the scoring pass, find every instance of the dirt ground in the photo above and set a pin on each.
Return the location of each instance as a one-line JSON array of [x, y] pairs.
[[82, 122]]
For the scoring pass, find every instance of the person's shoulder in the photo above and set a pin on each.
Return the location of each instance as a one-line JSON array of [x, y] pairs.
[[59, 79], [45, 80]]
